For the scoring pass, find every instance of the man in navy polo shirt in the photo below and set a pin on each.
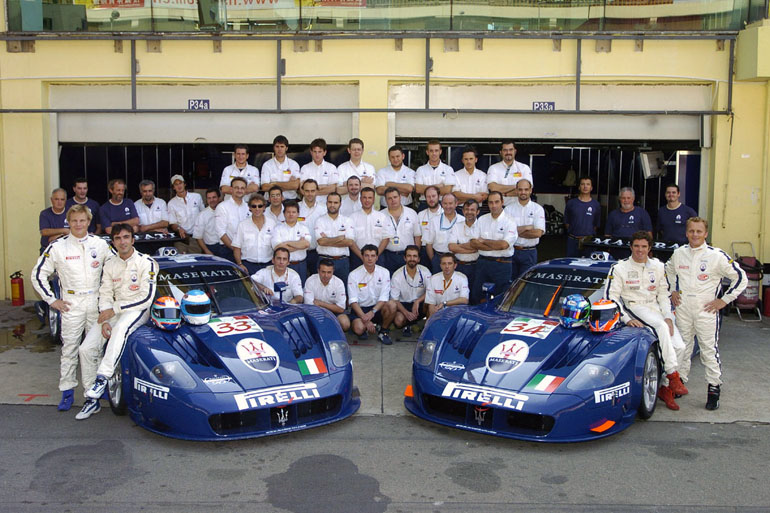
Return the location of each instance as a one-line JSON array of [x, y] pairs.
[[582, 216], [628, 219], [673, 216], [81, 198], [117, 209], [53, 220]]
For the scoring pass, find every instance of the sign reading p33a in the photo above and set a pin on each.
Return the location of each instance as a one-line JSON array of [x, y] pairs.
[[543, 105]]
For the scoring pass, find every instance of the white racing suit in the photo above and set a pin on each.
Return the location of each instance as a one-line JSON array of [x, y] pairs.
[[78, 263], [128, 288], [696, 273], [642, 293]]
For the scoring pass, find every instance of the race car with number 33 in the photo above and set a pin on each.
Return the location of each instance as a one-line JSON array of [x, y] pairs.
[[509, 368], [258, 367]]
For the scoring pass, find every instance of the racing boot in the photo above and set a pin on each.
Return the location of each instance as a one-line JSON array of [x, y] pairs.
[[96, 391], [90, 407], [712, 403], [67, 398], [676, 385], [667, 396]]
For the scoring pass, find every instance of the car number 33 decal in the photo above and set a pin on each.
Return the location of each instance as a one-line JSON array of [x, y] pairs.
[[237, 325], [526, 327]]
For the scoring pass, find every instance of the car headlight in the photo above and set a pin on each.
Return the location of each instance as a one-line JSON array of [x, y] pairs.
[[340, 353], [173, 374], [591, 376], [423, 353]]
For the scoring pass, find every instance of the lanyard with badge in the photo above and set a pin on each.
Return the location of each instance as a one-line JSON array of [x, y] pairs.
[[406, 279], [395, 239], [441, 223]]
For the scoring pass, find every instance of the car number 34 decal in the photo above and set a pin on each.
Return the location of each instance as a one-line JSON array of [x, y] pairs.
[[526, 327], [237, 325]]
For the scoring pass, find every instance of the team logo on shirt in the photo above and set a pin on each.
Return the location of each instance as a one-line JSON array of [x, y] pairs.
[[630, 219], [652, 277], [127, 210], [703, 267]]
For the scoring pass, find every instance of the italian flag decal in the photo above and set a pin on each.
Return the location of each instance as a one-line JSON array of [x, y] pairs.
[[312, 366], [545, 383]]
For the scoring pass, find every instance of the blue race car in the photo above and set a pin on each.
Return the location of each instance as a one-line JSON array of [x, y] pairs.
[[257, 368], [509, 368]]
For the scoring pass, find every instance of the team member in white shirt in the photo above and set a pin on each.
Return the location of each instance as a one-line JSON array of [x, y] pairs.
[[370, 227], [424, 218], [229, 215], [152, 211], [328, 291], [310, 209], [295, 237], [183, 211], [503, 176], [404, 225], [497, 235], [279, 272], [439, 230], [447, 288], [252, 248], [435, 173], [281, 171], [275, 211], [205, 231], [240, 169], [530, 223], [364, 171], [471, 182], [324, 173], [460, 240], [334, 234], [395, 175], [351, 202], [369, 296], [407, 289]]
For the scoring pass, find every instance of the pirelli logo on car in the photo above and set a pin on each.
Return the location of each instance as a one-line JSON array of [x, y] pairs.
[[486, 396], [151, 389], [276, 396], [609, 394]]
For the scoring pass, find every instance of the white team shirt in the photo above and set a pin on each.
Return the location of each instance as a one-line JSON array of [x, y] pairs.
[[309, 216], [388, 174], [406, 289], [471, 183], [333, 293], [502, 228], [441, 290], [255, 244], [530, 214], [268, 278], [439, 176], [501, 174], [362, 170], [348, 206], [249, 173], [274, 172], [229, 215], [325, 174], [277, 219], [285, 233], [367, 289], [184, 211], [206, 228], [370, 228], [439, 231], [325, 227], [151, 214], [462, 233], [424, 217], [404, 230]]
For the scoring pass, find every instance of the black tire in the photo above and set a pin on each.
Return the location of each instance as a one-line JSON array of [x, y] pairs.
[[54, 324], [650, 383], [116, 392]]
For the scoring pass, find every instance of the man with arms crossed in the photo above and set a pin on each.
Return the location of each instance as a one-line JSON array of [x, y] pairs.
[[205, 231], [281, 171], [240, 169], [323, 172], [370, 227], [440, 229], [334, 234], [497, 234], [460, 241], [530, 221], [435, 173], [582, 217], [229, 214], [447, 288], [673, 216], [403, 222], [503, 176], [183, 211], [327, 291], [471, 182], [364, 171], [395, 175]]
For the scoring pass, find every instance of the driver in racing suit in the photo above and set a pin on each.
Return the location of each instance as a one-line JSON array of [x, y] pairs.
[[77, 259], [696, 269], [638, 285], [126, 293]]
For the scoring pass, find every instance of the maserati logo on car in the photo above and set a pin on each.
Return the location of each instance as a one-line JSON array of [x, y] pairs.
[[257, 354], [507, 356]]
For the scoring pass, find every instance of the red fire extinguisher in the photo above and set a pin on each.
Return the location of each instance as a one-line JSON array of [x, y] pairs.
[[17, 289]]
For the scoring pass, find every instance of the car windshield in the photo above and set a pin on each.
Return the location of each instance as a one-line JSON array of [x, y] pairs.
[[542, 291], [229, 289]]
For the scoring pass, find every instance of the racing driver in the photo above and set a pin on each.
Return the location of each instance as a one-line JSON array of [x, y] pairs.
[[697, 270], [77, 259], [638, 285], [125, 296]]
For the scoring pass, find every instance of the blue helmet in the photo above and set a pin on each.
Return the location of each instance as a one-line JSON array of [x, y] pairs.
[[575, 311], [196, 307], [165, 313]]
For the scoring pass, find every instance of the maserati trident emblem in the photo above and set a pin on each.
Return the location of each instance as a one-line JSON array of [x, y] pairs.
[[479, 412], [283, 415]]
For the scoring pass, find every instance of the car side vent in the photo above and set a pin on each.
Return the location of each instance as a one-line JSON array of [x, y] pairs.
[[301, 336], [464, 335], [577, 350]]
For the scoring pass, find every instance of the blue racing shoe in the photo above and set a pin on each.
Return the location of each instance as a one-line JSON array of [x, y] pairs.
[[67, 398]]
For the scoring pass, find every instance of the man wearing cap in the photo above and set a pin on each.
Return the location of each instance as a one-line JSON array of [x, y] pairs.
[[183, 211]]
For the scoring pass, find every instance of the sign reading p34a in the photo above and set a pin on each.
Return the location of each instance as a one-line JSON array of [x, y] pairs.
[[199, 104], [543, 105]]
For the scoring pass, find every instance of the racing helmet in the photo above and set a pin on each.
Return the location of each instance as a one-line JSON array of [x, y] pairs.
[[196, 307], [165, 313], [575, 311], [605, 316]]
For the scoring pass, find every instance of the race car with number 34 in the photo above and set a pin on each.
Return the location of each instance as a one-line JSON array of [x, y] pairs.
[[509, 368]]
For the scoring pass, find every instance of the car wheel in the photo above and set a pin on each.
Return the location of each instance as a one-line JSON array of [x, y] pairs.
[[115, 389], [54, 324], [650, 383]]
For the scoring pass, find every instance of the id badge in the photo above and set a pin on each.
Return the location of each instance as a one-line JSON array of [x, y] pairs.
[[395, 240]]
